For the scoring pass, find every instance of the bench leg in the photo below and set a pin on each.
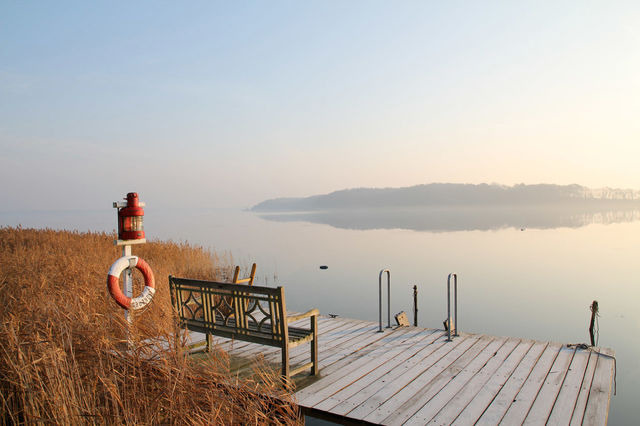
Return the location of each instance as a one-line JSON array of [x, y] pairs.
[[285, 361], [314, 345], [208, 342]]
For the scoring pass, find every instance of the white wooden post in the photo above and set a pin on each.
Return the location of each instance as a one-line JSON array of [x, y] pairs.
[[128, 283]]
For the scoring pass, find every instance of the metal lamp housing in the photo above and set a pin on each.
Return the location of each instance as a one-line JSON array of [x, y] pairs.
[[131, 219]]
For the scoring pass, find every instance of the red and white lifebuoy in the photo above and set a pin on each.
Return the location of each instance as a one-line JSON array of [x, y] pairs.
[[113, 282]]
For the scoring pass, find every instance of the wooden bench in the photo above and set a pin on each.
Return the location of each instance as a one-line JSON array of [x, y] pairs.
[[251, 313]]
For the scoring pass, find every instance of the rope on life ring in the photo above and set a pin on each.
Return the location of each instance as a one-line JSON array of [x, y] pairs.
[[113, 282]]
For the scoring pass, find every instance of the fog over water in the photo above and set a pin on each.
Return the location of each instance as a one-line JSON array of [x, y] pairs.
[[522, 272], [209, 108], [443, 219]]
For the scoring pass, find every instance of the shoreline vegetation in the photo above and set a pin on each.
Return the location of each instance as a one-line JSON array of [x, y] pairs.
[[64, 357]]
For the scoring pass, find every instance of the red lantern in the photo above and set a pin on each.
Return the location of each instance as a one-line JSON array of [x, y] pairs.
[[130, 218]]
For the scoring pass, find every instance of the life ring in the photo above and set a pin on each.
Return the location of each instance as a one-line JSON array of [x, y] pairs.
[[113, 282]]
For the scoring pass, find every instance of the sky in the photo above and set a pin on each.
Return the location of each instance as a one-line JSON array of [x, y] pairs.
[[226, 104]]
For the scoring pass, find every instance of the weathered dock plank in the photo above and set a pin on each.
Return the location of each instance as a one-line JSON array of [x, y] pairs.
[[403, 391], [343, 399], [457, 394], [361, 390], [425, 392], [517, 412], [494, 413], [566, 400], [544, 401], [412, 375], [600, 392], [351, 371], [473, 401], [583, 395]]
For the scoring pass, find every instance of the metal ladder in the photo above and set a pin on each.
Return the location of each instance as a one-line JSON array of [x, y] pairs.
[[388, 298], [453, 325]]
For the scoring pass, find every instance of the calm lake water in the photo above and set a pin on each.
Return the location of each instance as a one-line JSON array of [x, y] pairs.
[[520, 272]]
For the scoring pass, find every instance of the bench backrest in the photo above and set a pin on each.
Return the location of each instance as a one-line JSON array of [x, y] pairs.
[[248, 280], [253, 313]]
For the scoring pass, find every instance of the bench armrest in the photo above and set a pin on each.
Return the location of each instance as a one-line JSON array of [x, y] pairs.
[[312, 312]]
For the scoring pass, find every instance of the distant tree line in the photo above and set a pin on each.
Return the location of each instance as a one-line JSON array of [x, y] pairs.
[[452, 194]]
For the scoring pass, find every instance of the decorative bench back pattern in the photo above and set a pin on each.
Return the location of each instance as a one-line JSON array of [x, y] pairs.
[[230, 310]]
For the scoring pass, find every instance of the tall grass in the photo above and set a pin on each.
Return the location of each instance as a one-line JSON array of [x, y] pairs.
[[63, 352]]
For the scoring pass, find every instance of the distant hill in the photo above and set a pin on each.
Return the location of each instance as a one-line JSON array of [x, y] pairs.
[[453, 194]]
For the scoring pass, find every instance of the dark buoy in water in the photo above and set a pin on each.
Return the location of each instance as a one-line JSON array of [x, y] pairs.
[[324, 267]]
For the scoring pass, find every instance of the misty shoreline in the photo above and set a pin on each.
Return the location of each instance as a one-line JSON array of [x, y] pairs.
[[446, 195]]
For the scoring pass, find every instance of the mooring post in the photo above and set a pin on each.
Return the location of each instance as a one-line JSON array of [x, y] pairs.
[[415, 305], [594, 314]]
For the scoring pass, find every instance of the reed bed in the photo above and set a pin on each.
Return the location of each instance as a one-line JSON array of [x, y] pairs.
[[64, 356]]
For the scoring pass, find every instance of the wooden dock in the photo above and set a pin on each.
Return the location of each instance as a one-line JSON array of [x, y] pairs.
[[411, 375]]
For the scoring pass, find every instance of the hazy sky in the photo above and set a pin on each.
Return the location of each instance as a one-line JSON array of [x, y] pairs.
[[226, 104]]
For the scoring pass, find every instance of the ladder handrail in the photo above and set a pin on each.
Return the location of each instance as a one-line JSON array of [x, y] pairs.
[[388, 299], [455, 305]]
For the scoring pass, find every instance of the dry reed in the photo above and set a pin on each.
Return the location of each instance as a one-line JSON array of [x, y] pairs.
[[63, 356]]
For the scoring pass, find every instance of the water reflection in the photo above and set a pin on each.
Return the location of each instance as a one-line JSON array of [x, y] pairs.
[[445, 219], [536, 285]]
